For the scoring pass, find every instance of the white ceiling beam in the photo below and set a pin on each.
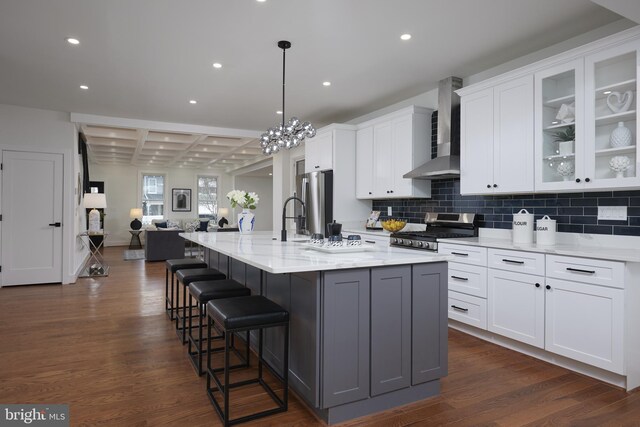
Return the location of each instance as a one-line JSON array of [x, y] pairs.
[[142, 137], [96, 120]]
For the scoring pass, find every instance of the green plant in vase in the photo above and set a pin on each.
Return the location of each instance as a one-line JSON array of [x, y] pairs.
[[565, 140]]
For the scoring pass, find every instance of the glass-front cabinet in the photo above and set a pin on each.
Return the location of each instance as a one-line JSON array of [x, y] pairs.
[[559, 126], [586, 122], [611, 89]]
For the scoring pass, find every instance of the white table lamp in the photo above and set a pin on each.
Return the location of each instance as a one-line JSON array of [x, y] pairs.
[[94, 201]]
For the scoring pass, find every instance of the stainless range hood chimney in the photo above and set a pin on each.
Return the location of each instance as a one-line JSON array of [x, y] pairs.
[[447, 163]]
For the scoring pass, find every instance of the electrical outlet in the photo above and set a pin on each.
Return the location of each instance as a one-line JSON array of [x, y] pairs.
[[389, 211], [612, 213]]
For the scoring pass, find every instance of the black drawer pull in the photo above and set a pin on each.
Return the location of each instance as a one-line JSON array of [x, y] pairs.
[[459, 253], [512, 261], [460, 278], [459, 308], [577, 270]]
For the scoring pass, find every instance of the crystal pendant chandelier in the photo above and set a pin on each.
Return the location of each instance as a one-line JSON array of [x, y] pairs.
[[291, 133]]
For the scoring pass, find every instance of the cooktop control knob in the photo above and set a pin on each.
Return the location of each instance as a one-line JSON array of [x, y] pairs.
[[419, 244], [399, 241]]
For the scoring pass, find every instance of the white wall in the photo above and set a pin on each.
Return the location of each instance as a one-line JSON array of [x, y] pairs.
[[122, 186], [263, 186], [29, 129]]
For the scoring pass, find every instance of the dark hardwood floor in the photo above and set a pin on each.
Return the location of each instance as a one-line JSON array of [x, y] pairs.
[[105, 347]]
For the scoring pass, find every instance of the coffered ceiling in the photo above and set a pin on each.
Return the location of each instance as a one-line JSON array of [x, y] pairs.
[[143, 147]]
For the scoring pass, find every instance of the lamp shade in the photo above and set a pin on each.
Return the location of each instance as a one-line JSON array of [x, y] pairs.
[[135, 213], [95, 200], [223, 211]]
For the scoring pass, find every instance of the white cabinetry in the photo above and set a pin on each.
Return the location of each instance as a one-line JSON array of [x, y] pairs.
[[516, 306], [467, 284], [364, 175], [318, 152], [568, 306], [387, 148], [496, 150], [596, 85], [586, 323], [334, 148]]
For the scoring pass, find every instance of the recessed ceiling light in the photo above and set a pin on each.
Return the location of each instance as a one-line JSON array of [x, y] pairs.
[[73, 41], [217, 65], [161, 147], [84, 87], [278, 112], [153, 157], [205, 149], [193, 101], [270, 174], [190, 159], [261, 1], [606, 92], [326, 83], [157, 152], [405, 36], [197, 155]]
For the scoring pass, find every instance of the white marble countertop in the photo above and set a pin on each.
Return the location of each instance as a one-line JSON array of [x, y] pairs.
[[586, 246], [264, 250]]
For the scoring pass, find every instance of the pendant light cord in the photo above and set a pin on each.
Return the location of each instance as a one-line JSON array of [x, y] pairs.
[[284, 52]]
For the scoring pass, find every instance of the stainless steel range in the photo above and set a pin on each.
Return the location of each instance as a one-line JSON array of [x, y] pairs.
[[439, 226]]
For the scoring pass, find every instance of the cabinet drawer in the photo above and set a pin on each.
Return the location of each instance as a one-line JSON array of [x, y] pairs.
[[594, 271], [468, 279], [518, 261], [465, 254], [468, 309]]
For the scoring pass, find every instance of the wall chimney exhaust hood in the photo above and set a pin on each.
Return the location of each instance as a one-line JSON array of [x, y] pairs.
[[447, 163]]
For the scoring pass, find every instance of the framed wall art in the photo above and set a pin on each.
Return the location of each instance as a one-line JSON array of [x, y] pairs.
[[181, 200]]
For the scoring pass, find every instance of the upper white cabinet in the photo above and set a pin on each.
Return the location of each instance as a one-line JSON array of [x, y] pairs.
[[496, 149], [387, 148], [318, 152], [586, 122], [364, 175]]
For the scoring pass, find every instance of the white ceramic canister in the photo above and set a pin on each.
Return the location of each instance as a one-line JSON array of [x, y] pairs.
[[546, 231], [523, 227]]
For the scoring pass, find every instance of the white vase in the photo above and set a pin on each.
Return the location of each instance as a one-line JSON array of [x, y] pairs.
[[246, 221], [621, 136]]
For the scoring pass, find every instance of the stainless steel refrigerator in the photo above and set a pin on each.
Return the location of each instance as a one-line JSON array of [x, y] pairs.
[[316, 189]]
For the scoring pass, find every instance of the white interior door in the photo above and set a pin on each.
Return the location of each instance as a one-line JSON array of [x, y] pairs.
[[31, 207]]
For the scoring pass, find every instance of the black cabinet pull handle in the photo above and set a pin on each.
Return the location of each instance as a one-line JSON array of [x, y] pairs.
[[548, 287], [460, 278], [577, 270], [459, 308], [369, 192], [512, 261], [317, 167], [495, 185], [459, 253], [587, 180], [488, 185], [56, 224], [577, 179], [537, 285], [391, 191]]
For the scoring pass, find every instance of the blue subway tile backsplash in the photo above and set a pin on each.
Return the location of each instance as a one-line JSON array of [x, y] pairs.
[[574, 212]]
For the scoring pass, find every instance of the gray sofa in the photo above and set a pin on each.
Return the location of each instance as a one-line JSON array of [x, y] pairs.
[[162, 245]]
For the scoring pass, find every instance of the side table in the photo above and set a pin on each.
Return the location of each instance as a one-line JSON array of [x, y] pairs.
[[135, 239], [95, 266]]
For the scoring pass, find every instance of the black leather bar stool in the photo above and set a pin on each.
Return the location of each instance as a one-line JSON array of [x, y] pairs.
[[202, 293], [186, 277], [173, 265], [241, 314]]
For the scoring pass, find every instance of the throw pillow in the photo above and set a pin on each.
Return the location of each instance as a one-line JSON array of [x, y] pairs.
[[161, 224], [203, 225], [191, 226], [172, 224]]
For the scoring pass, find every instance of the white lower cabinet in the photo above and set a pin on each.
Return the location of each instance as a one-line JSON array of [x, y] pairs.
[[586, 323], [576, 309], [516, 306]]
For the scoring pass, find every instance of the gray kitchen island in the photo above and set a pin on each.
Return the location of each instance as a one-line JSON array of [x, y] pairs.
[[368, 330]]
